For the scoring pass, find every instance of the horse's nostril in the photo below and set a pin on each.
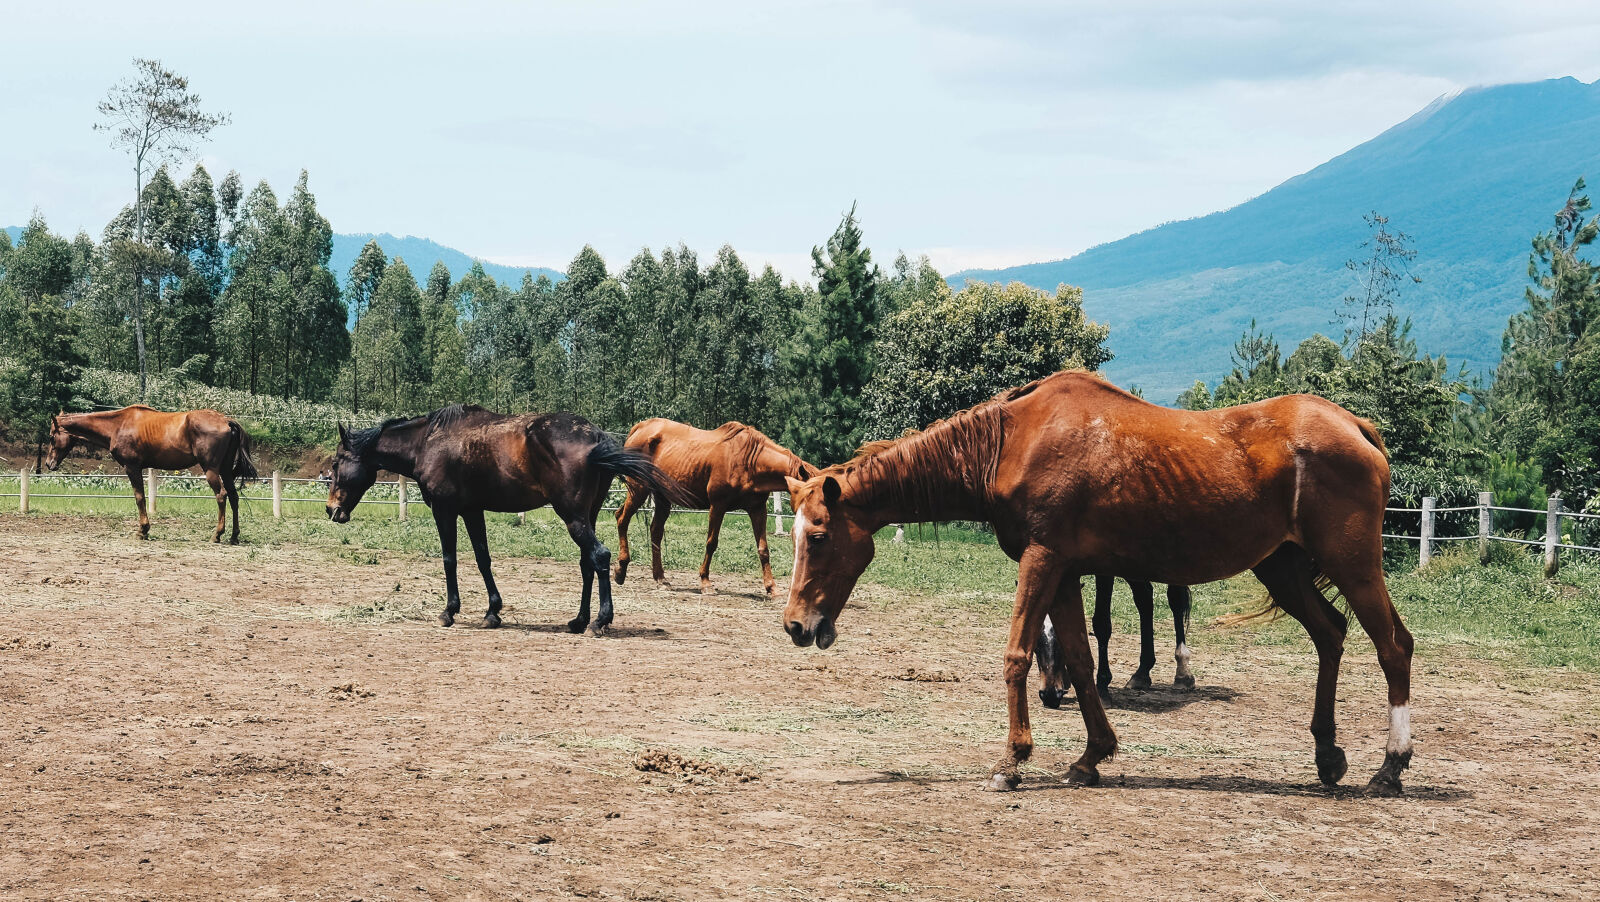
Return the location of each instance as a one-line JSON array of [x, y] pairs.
[[795, 629]]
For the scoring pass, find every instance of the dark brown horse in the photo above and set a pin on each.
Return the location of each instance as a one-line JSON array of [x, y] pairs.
[[140, 437], [1053, 665], [731, 467], [467, 460], [1079, 478]]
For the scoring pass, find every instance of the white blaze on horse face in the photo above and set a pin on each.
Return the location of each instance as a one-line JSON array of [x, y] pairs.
[[1399, 729], [799, 526]]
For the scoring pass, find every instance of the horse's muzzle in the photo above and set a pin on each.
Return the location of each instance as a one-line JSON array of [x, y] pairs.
[[338, 514], [803, 636]]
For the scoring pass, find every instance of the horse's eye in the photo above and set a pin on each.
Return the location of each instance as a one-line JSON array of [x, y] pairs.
[[817, 538]]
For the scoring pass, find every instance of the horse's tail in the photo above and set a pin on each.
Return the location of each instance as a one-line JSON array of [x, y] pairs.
[[1269, 610], [638, 468], [1370, 433], [244, 469]]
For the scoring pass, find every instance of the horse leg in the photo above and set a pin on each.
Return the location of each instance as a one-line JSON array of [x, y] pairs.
[[630, 506], [1180, 600], [214, 479], [600, 564], [595, 560], [713, 533], [1067, 608], [445, 520], [1144, 598], [1363, 587], [1037, 579], [1287, 575], [135, 476], [233, 502], [480, 550], [1052, 666], [1103, 586], [758, 522], [658, 528]]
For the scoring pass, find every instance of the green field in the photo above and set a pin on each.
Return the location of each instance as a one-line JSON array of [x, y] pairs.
[[1505, 611]]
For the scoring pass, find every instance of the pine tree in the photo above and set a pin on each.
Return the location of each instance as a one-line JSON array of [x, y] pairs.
[[829, 362]]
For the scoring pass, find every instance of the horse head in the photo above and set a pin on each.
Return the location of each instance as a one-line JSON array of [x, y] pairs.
[[832, 547], [352, 474], [60, 443]]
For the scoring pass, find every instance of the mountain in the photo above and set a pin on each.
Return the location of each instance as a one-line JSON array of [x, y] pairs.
[[1471, 177], [420, 254]]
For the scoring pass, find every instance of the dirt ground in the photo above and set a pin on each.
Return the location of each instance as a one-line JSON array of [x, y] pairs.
[[182, 720]]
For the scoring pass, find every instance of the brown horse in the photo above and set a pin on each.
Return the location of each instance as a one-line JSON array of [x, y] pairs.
[[1078, 478], [140, 437], [731, 467], [1053, 666], [468, 460]]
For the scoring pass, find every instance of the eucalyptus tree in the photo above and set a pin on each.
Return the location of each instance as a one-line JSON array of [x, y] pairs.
[[154, 118]]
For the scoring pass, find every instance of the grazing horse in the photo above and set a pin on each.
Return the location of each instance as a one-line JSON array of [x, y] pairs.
[[468, 460], [1078, 478], [140, 437], [731, 467], [1053, 667]]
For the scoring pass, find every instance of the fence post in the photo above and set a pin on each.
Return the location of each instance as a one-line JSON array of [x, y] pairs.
[[522, 518], [400, 481], [277, 495], [1485, 499], [1552, 536], [899, 532], [1425, 552], [22, 481], [777, 514], [150, 492]]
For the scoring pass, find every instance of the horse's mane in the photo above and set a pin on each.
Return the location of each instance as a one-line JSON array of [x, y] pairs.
[[916, 472], [361, 441]]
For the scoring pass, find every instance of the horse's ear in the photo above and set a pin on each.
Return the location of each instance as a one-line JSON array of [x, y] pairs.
[[344, 436], [795, 485], [804, 471], [831, 490]]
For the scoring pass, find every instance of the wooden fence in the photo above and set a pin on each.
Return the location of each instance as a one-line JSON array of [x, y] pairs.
[[400, 488]]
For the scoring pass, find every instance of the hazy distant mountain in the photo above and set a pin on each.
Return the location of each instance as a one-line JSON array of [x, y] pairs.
[[420, 254], [1472, 177]]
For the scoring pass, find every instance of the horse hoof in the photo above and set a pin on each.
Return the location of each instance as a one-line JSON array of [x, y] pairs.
[[1331, 765], [1384, 786], [234, 541], [577, 625], [1001, 782], [447, 619], [1051, 698], [1183, 682], [708, 589], [620, 572], [1139, 681], [491, 621], [599, 629], [1104, 692], [1079, 776]]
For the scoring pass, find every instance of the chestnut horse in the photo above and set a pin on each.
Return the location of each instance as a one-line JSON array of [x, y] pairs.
[[1080, 478], [731, 467], [1053, 666], [468, 460], [140, 437]]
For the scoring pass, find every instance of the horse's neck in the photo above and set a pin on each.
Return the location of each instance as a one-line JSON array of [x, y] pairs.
[[774, 465], [398, 448], [94, 428]]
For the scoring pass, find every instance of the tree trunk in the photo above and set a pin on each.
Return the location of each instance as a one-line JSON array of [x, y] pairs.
[[138, 269]]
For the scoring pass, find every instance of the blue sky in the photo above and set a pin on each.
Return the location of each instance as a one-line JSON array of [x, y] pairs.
[[982, 134]]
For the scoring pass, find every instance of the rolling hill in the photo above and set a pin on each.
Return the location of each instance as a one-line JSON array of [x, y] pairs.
[[421, 254], [1471, 177]]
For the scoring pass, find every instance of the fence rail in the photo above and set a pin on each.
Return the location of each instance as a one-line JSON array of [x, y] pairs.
[[282, 492]]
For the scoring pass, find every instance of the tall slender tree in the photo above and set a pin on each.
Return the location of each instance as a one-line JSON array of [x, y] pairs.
[[154, 118]]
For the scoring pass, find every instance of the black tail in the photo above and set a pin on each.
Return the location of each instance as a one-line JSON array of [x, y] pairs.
[[244, 469], [635, 466]]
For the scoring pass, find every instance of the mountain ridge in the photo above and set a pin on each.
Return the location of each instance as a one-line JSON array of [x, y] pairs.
[[1472, 177]]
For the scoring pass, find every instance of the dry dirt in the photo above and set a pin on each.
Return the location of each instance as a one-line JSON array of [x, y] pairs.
[[181, 720]]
